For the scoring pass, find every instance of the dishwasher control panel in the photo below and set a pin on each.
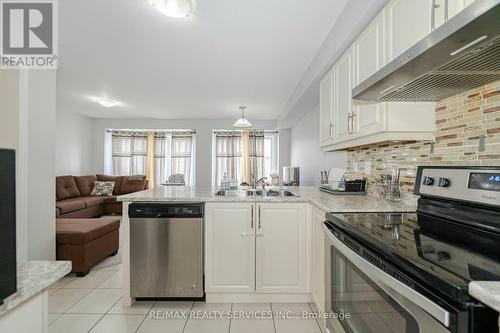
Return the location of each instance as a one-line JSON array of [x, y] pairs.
[[146, 210]]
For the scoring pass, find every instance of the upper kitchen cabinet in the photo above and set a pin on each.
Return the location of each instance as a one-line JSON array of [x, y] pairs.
[[400, 25], [407, 22], [342, 96], [446, 9], [369, 57], [325, 109]]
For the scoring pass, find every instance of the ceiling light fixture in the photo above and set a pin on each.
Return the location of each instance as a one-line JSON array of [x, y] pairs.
[[106, 102], [242, 122], [176, 9]]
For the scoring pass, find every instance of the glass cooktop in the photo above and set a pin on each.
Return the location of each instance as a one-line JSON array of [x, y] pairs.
[[436, 255]]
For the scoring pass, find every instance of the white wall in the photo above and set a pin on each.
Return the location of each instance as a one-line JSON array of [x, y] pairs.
[[306, 153], [204, 129], [28, 124], [38, 128], [74, 144]]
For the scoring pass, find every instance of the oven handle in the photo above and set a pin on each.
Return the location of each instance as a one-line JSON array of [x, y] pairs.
[[443, 316]]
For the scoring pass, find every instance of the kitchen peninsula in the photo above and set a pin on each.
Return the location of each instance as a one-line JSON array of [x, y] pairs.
[[259, 248]]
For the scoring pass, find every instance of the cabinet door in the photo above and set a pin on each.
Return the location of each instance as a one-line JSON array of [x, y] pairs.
[[445, 10], [281, 248], [325, 109], [230, 248], [407, 22], [318, 259], [369, 49], [342, 87]]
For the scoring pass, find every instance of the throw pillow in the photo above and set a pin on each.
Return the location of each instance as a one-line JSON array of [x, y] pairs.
[[103, 188]]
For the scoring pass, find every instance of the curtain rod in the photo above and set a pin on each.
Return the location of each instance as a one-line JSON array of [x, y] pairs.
[[256, 130], [149, 130]]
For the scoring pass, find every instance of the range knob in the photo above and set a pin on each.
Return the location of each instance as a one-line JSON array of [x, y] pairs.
[[428, 181], [442, 182]]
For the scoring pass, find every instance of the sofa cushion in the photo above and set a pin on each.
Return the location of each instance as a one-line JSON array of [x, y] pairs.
[[66, 188], [92, 201], [70, 205], [83, 231], [132, 185], [117, 179], [85, 184]]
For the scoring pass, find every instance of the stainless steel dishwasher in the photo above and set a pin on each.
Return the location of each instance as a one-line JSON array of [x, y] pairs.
[[166, 250]]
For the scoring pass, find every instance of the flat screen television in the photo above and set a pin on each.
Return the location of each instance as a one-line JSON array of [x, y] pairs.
[[8, 282]]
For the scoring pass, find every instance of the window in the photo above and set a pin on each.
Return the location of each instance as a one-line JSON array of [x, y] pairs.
[[172, 153], [241, 154]]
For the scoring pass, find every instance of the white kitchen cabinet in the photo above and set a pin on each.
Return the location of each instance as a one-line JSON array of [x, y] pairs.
[[369, 57], [325, 109], [407, 22], [230, 247], [446, 9], [342, 92], [318, 259], [281, 248]]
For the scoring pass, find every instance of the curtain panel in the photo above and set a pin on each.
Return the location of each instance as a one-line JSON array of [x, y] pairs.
[[129, 152], [239, 154], [171, 152]]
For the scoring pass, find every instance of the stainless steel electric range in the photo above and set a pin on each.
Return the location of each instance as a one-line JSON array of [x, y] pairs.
[[409, 272]]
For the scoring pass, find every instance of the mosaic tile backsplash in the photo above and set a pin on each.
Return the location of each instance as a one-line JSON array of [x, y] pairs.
[[461, 121]]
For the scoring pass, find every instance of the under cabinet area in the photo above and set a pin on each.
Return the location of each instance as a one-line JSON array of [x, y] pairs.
[[256, 248]]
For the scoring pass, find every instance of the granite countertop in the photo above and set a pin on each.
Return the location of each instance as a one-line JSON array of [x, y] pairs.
[[487, 292], [310, 194], [32, 278]]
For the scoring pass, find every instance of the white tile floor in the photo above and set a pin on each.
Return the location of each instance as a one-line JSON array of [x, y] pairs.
[[93, 304]]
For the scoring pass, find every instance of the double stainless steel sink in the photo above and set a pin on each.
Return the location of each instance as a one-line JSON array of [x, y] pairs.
[[254, 193]]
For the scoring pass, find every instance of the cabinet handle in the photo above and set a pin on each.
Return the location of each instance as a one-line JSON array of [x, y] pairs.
[[330, 130], [259, 217], [445, 10], [251, 220], [349, 123], [433, 15], [352, 121]]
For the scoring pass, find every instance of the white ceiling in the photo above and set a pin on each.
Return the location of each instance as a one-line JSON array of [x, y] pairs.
[[229, 53]]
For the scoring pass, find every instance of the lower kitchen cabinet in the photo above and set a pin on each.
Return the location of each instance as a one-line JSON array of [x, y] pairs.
[[255, 248], [229, 247], [281, 248]]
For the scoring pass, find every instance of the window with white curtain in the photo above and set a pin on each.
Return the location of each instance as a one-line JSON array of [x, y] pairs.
[[129, 152], [241, 154], [174, 153]]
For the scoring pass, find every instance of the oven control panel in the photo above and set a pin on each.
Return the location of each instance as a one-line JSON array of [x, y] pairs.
[[472, 184]]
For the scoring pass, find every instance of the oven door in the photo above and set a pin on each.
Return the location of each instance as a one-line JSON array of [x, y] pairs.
[[371, 301]]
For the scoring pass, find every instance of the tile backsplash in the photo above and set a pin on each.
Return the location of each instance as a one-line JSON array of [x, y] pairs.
[[463, 123]]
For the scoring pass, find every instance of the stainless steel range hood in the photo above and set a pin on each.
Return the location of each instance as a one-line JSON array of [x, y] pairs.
[[462, 54]]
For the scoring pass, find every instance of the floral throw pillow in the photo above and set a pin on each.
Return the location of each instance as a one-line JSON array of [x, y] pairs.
[[103, 188]]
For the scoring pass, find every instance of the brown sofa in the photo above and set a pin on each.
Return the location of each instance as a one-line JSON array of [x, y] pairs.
[[73, 199], [86, 242]]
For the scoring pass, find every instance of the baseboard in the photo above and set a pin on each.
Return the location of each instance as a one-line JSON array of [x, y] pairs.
[[258, 298]]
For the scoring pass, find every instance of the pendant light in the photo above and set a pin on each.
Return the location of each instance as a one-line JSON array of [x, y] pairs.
[[242, 122]]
